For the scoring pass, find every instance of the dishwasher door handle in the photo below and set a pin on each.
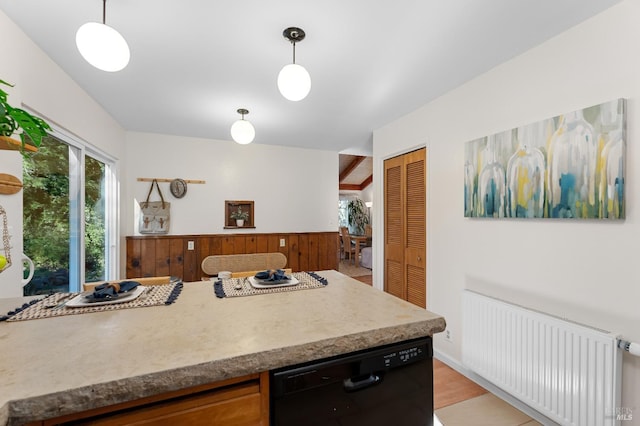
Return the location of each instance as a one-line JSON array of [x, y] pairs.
[[351, 386]]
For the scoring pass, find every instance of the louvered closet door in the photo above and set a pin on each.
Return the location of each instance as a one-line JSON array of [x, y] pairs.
[[394, 280], [405, 227], [415, 230]]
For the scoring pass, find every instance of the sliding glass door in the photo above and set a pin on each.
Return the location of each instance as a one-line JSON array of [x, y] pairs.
[[69, 206]]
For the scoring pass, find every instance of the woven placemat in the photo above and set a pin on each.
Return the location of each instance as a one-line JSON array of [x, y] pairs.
[[155, 295], [226, 287]]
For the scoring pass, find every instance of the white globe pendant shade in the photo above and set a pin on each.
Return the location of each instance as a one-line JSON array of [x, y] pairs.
[[243, 132], [102, 46], [294, 82]]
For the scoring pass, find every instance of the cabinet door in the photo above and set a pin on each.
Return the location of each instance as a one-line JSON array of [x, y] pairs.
[[405, 226]]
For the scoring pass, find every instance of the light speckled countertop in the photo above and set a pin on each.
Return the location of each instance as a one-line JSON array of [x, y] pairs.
[[56, 366]]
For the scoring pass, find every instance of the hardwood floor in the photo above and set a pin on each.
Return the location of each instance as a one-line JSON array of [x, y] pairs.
[[451, 387], [367, 279]]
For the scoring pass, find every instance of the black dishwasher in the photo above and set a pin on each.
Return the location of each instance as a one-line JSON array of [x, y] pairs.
[[386, 385]]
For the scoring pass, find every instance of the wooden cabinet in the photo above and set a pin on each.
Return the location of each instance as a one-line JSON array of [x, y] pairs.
[[241, 401], [405, 227]]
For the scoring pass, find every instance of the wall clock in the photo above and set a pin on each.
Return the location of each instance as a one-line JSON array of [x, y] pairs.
[[178, 188]]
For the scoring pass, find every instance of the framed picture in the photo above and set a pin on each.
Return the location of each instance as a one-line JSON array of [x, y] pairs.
[[571, 166], [238, 214]]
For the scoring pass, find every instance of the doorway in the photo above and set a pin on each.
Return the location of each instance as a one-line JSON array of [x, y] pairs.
[[354, 216]]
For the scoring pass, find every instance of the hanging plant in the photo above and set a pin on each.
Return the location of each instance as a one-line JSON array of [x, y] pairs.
[[30, 128], [358, 217]]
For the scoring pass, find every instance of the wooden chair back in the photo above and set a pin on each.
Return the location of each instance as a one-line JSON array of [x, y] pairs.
[[347, 248], [212, 265]]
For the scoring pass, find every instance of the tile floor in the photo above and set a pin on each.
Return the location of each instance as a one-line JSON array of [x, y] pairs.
[[459, 401], [484, 410]]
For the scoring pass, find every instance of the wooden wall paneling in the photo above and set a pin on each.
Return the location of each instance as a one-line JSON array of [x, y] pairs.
[[322, 252], [169, 255], [148, 257], [313, 252], [163, 257], [176, 253], [332, 247], [273, 243], [294, 256], [216, 245], [250, 244], [284, 250], [192, 270], [133, 258], [227, 245], [303, 252], [204, 247], [239, 244], [262, 243]]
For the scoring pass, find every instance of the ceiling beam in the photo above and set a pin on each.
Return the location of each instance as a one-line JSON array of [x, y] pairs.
[[349, 187], [355, 186], [351, 167], [366, 182]]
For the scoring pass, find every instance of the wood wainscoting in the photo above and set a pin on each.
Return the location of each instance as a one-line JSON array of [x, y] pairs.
[[150, 256]]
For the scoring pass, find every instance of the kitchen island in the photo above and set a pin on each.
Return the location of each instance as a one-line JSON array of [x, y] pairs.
[[59, 366]]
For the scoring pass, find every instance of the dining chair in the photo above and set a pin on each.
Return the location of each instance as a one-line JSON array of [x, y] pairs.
[[368, 232], [347, 247]]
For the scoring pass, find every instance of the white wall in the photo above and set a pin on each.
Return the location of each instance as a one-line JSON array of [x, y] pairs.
[[583, 270], [294, 190], [42, 87]]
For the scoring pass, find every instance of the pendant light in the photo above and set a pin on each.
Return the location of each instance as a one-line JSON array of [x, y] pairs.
[[294, 81], [242, 131], [102, 46]]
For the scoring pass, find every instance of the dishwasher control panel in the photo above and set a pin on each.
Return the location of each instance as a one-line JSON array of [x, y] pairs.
[[403, 356], [395, 357]]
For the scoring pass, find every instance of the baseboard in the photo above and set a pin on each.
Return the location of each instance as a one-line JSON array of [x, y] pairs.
[[505, 396]]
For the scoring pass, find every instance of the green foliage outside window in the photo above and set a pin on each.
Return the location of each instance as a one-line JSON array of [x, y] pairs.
[[46, 217]]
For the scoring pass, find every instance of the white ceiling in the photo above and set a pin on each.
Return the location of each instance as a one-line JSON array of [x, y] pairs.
[[195, 62]]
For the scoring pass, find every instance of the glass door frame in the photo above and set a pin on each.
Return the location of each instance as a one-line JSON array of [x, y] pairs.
[[78, 150]]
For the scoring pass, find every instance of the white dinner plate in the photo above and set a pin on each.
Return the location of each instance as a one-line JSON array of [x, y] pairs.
[[80, 300], [256, 283]]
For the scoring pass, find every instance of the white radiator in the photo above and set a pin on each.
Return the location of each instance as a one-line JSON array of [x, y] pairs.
[[571, 373]]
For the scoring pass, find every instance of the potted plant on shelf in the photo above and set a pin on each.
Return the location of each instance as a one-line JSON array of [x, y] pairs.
[[31, 129], [357, 216], [240, 216]]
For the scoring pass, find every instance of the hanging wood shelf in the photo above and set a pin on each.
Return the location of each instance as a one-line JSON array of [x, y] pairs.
[[170, 180], [7, 143]]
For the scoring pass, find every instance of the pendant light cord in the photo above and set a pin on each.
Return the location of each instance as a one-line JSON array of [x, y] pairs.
[[104, 12], [294, 51]]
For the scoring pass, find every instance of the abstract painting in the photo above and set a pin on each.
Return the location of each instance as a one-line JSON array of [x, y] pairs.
[[569, 166]]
